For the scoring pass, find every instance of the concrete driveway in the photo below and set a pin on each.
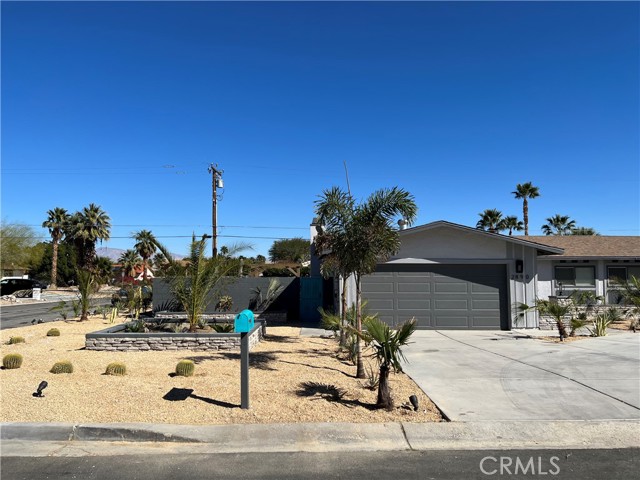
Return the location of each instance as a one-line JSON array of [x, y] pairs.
[[480, 375]]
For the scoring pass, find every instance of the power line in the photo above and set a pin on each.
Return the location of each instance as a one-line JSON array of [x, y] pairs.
[[165, 236], [193, 226]]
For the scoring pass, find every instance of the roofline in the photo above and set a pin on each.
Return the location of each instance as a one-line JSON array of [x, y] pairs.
[[464, 228]]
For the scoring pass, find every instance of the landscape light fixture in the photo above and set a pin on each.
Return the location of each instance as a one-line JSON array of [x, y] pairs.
[[41, 387], [414, 401]]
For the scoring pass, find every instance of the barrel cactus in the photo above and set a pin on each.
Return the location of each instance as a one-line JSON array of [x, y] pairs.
[[62, 367], [12, 360], [116, 368], [14, 340], [54, 332], [185, 368]]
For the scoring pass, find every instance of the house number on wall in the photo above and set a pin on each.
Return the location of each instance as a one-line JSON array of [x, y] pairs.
[[519, 276]]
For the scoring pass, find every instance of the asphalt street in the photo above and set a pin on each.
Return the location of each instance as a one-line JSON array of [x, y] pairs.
[[13, 316], [397, 465]]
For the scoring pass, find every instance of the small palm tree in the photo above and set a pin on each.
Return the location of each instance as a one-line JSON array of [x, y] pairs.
[[525, 191], [86, 289], [557, 312], [129, 261], [387, 349], [558, 225], [584, 231], [512, 223], [56, 222], [146, 247], [491, 220]]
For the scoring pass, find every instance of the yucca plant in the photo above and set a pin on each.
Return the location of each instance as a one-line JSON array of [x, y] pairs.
[[14, 340], [330, 321], [12, 360], [116, 368], [53, 332], [185, 368], [387, 346], [602, 321], [222, 327], [64, 366]]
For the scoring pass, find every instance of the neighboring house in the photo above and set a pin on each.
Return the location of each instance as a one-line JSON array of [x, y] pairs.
[[450, 276]]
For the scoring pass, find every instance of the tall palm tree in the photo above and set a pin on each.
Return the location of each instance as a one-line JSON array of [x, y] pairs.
[[584, 231], [363, 235], [559, 225], [87, 227], [129, 261], [512, 223], [491, 220], [526, 191], [146, 247], [56, 223]]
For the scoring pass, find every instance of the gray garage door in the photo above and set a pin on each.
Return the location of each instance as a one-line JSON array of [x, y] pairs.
[[439, 296]]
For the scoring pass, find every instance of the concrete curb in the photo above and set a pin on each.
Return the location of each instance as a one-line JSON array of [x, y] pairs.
[[325, 437]]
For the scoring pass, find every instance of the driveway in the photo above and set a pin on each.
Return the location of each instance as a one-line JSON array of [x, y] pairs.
[[480, 375]]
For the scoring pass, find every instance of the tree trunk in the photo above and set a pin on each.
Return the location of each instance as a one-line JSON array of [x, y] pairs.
[[525, 214], [562, 330], [54, 265], [343, 312], [144, 271], [360, 373], [384, 394]]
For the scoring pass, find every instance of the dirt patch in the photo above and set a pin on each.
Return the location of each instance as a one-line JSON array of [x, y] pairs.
[[566, 340], [622, 325], [293, 379]]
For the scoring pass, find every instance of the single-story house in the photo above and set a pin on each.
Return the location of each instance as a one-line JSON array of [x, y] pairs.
[[451, 276]]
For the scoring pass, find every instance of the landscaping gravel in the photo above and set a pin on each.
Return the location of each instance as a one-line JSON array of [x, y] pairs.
[[293, 379]]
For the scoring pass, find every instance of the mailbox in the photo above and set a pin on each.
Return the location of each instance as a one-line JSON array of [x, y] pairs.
[[244, 322]]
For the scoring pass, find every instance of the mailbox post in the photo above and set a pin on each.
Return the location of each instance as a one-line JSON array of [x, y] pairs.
[[243, 324]]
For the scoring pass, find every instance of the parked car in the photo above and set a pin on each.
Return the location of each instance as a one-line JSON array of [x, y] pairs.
[[12, 285]]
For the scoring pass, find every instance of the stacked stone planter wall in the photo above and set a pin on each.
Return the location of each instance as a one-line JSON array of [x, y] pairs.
[[116, 339]]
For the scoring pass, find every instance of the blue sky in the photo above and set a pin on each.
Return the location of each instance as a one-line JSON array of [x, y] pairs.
[[125, 105]]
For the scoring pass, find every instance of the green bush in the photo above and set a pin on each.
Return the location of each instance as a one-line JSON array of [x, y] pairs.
[[222, 327], [14, 340], [54, 332], [62, 367], [12, 360], [185, 368], [116, 368]]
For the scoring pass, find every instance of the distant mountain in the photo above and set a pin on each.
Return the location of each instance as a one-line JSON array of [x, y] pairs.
[[113, 254]]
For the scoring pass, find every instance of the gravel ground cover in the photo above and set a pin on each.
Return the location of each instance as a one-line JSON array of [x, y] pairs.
[[293, 379]]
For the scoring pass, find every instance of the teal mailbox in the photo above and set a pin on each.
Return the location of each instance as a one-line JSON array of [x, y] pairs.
[[244, 322]]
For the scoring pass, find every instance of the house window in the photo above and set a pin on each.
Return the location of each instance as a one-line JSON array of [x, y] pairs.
[[575, 276], [617, 275]]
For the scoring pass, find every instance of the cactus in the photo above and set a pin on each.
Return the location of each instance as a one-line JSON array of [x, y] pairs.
[[116, 368], [62, 367], [12, 360], [14, 340], [113, 314], [54, 332], [185, 368]]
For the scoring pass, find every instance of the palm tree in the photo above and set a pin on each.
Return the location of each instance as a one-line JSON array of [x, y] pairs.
[[362, 236], [192, 284], [554, 310], [512, 223], [129, 261], [146, 247], [584, 231], [386, 345], [558, 225], [526, 191], [491, 220], [86, 288], [87, 227], [56, 223]]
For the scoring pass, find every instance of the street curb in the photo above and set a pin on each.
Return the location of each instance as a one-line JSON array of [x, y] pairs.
[[324, 437]]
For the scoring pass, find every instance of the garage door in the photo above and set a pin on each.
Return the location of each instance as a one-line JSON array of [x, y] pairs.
[[439, 296]]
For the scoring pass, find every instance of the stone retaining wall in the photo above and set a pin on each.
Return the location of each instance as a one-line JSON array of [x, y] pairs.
[[222, 317], [115, 339]]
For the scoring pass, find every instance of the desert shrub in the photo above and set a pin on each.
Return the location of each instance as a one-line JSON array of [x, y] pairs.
[[330, 321], [373, 379], [116, 368], [222, 327], [64, 366], [225, 303], [53, 332], [14, 340], [185, 368], [12, 360]]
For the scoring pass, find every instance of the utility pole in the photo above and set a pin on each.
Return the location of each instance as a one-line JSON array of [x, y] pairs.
[[216, 182]]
